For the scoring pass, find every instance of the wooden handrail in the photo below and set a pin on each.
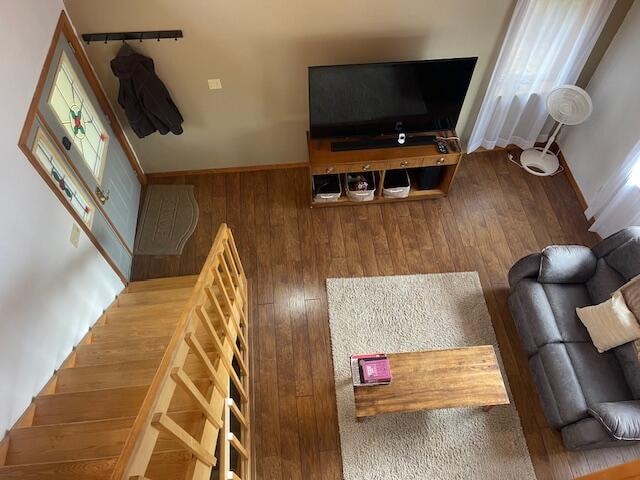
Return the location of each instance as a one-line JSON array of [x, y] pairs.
[[219, 299]]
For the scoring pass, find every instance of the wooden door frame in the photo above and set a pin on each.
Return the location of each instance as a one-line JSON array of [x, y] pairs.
[[64, 28]]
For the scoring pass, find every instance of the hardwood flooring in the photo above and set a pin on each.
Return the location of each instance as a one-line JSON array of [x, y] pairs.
[[494, 215]]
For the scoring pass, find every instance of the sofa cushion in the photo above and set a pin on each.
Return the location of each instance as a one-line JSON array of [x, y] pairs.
[[522, 325], [557, 385], [586, 434], [627, 356], [570, 377], [600, 376], [620, 419], [610, 323], [609, 244], [626, 258], [604, 282], [566, 264], [564, 299], [548, 313]]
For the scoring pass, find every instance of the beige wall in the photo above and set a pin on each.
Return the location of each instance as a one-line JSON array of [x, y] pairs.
[[260, 50]]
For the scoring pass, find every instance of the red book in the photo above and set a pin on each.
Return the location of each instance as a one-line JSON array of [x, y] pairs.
[[375, 370]]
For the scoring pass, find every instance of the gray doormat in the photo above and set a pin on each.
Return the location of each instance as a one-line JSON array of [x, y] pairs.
[[169, 217]]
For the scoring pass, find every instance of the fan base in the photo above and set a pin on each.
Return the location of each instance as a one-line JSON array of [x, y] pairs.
[[534, 162]]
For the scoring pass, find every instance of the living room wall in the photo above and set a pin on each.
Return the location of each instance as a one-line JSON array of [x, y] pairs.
[[260, 51], [595, 149], [50, 291]]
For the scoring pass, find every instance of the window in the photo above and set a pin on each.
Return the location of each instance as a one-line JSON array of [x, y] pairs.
[[71, 105], [54, 165], [634, 177]]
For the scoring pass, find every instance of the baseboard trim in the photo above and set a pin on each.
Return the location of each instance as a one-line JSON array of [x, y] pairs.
[[572, 180], [208, 171]]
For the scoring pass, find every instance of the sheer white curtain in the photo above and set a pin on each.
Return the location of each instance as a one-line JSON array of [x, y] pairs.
[[547, 44], [617, 204]]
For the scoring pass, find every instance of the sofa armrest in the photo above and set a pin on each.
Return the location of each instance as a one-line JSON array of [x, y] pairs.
[[620, 419], [567, 264], [526, 267], [609, 244]]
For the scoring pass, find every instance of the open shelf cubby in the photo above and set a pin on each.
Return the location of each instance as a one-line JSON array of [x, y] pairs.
[[437, 169]]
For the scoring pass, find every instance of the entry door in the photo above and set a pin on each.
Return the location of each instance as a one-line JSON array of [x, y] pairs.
[[72, 112]]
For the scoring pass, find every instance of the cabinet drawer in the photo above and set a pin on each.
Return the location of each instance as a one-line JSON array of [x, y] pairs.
[[346, 168], [447, 159]]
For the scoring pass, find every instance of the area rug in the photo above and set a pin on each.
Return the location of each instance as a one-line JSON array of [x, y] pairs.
[[168, 218], [409, 313]]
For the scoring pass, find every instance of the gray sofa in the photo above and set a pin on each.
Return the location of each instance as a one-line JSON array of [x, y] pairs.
[[592, 398]]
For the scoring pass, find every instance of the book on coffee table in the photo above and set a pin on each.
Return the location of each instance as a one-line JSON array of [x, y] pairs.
[[370, 369]]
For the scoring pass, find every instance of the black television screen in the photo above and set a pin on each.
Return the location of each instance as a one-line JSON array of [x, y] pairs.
[[385, 98]]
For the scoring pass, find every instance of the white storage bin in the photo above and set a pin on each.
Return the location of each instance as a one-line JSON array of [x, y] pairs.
[[396, 184], [326, 188], [361, 195]]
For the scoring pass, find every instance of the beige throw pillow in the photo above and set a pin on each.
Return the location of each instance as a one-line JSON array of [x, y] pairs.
[[631, 293], [610, 324]]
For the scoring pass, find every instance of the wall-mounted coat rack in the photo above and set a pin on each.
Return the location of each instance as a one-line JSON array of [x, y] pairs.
[[140, 36]]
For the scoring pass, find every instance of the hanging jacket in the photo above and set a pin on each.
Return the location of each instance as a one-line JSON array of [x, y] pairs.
[[145, 99]]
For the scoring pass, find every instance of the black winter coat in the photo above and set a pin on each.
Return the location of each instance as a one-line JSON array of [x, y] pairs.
[[145, 99]]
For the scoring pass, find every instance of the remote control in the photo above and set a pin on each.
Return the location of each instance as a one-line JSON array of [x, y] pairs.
[[442, 147]]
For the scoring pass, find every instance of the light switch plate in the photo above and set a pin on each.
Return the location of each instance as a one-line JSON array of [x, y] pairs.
[[214, 84], [75, 235]]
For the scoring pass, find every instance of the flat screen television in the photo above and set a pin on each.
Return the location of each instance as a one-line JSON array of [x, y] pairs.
[[387, 98]]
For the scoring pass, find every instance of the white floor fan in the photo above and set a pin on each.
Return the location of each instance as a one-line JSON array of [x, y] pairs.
[[567, 105]]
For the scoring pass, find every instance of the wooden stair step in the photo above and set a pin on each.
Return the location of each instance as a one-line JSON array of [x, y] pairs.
[[169, 465], [126, 333], [98, 469], [165, 283], [110, 333], [85, 440], [154, 297], [121, 351], [116, 375], [66, 442], [103, 404], [130, 313]]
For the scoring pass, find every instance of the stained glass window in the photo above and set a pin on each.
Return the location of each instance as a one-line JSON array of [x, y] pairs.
[[54, 165], [76, 114]]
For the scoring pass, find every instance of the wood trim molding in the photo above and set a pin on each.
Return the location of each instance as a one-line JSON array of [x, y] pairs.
[[65, 27], [572, 180], [208, 171]]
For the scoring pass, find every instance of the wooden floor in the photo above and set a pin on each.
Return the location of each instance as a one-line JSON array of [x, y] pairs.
[[494, 215]]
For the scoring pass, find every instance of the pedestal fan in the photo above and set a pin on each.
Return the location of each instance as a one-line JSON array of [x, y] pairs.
[[567, 105]]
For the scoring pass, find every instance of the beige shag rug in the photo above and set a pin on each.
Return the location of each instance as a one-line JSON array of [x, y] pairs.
[[168, 218], [419, 312]]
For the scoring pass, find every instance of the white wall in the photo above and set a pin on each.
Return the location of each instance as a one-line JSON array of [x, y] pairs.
[[50, 292], [261, 50], [595, 149]]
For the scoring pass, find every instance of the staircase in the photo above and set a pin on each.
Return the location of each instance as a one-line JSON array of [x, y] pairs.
[[157, 390]]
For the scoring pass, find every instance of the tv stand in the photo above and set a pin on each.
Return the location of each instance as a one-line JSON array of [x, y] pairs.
[[415, 158], [367, 143]]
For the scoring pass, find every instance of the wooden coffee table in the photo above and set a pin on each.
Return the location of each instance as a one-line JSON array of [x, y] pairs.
[[463, 377]]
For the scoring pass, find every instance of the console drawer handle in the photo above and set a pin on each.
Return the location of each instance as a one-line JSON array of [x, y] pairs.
[[367, 166], [330, 169], [404, 164], [440, 161]]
